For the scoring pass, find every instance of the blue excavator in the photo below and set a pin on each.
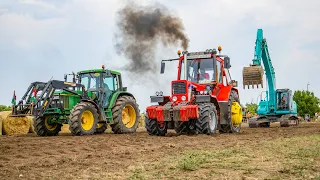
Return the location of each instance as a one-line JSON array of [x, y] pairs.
[[278, 105]]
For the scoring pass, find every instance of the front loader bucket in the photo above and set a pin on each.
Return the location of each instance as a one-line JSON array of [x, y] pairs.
[[252, 75]]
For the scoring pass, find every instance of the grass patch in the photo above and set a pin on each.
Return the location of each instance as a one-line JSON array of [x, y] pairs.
[[283, 158], [193, 159]]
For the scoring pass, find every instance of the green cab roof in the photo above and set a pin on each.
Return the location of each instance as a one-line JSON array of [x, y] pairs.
[[97, 71]]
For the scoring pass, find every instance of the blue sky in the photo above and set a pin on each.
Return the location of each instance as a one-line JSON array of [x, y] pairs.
[[42, 39]]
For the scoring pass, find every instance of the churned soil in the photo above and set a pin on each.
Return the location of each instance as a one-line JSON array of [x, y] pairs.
[[254, 153]]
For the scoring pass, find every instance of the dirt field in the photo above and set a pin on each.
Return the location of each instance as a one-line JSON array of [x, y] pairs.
[[273, 153]]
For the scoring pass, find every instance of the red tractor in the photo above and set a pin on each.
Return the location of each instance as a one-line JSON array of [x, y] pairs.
[[203, 98]]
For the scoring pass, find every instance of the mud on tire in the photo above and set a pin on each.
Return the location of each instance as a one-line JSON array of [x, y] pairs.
[[207, 122], [119, 127], [41, 128], [76, 119]]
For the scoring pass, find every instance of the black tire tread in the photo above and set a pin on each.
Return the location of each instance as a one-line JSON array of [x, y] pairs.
[[202, 124], [117, 126], [153, 127], [75, 126], [41, 129]]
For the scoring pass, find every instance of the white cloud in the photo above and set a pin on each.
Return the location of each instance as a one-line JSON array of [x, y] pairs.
[[81, 32]]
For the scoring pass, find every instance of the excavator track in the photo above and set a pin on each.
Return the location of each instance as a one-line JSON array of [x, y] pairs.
[[258, 122], [252, 75], [287, 121]]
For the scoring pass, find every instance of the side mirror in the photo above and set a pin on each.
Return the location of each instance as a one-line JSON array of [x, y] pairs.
[[125, 88], [227, 64], [65, 78], [163, 65], [234, 83]]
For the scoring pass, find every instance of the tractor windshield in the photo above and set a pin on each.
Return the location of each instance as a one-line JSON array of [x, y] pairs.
[[200, 71], [90, 81]]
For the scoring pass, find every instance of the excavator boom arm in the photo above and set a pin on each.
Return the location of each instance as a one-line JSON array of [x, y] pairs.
[[253, 75]]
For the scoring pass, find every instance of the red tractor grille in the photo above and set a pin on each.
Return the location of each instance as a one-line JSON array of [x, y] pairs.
[[179, 87]]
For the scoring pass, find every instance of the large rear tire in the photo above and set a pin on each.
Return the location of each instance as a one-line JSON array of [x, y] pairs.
[[126, 115], [154, 128], [83, 119], [207, 122], [230, 127], [43, 126]]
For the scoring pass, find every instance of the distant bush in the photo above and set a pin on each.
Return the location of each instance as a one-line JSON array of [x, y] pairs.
[[5, 108]]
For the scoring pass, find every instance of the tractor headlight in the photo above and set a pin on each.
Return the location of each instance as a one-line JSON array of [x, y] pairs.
[[201, 92], [160, 93], [157, 93], [183, 98], [206, 92], [174, 98]]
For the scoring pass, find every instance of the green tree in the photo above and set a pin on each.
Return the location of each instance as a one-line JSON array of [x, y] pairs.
[[252, 108], [5, 108], [307, 102]]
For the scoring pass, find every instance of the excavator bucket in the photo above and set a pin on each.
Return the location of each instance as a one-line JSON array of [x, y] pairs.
[[252, 75]]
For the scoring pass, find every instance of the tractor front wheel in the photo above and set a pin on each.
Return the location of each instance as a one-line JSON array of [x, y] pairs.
[[125, 115], [207, 122], [44, 126], [83, 119], [154, 128]]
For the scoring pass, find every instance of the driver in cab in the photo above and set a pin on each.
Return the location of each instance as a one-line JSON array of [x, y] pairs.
[[204, 75]]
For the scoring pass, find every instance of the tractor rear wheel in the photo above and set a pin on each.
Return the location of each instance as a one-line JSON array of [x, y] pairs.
[[234, 114], [154, 128], [208, 119], [44, 127], [125, 115], [83, 119]]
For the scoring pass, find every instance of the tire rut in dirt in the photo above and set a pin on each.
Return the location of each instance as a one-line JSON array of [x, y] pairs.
[[41, 129], [203, 123], [76, 118], [118, 127]]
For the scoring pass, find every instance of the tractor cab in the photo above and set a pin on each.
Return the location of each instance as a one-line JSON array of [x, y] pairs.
[[100, 84], [199, 73]]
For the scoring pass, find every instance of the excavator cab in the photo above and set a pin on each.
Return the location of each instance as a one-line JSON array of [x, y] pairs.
[[283, 99]]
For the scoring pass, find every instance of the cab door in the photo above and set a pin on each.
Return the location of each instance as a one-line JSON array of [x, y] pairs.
[[108, 88]]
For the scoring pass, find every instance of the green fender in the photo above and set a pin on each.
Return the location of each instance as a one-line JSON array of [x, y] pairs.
[[112, 102]]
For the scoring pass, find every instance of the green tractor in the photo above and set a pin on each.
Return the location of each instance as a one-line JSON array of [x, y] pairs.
[[94, 99]]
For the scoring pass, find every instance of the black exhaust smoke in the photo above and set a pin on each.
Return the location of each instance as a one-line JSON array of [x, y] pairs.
[[140, 30]]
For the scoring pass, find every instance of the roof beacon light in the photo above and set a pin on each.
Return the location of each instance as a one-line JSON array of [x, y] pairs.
[[219, 49], [179, 53]]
